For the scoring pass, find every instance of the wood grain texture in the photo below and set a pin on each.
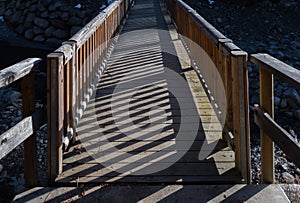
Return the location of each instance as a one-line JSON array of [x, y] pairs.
[[278, 68], [17, 71], [277, 134]]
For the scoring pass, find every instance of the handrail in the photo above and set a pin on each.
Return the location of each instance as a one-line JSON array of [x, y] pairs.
[[73, 70], [264, 114], [24, 130], [216, 58]]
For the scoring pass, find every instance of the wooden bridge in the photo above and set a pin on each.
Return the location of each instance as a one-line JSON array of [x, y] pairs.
[[149, 92]]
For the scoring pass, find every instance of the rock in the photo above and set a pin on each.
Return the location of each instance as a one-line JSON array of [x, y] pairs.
[[74, 30], [59, 23], [41, 7], [288, 178], [29, 20], [41, 22], [33, 8], [54, 6], [297, 114], [75, 21], [2, 9], [254, 84], [49, 31], [37, 30], [1, 168], [283, 103], [81, 14], [65, 16], [54, 41], [288, 114], [20, 29], [293, 94], [3, 175], [17, 18], [54, 15], [45, 14], [11, 96], [254, 99], [276, 101], [29, 34], [8, 12], [39, 38], [60, 34]]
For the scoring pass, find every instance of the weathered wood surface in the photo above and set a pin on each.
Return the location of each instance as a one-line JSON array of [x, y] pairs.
[[277, 134], [15, 136], [161, 193], [278, 68], [17, 71], [158, 116], [30, 144], [267, 146]]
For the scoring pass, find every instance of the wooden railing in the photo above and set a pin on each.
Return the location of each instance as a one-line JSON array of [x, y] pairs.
[[23, 131], [264, 114], [213, 57], [73, 71]]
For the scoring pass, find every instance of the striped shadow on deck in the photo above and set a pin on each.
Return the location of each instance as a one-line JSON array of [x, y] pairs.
[[150, 120]]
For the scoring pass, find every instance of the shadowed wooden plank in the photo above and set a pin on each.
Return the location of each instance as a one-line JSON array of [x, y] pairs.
[[123, 129]]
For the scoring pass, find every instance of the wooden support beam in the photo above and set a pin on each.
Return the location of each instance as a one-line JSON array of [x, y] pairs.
[[30, 147], [55, 114], [281, 137], [241, 113], [17, 71], [267, 145]]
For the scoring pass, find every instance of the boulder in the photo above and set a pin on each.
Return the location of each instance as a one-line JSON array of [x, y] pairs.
[[74, 30], [29, 34], [75, 21], [291, 93], [8, 12], [61, 34], [297, 114], [49, 31], [29, 20], [17, 18], [54, 41], [54, 6], [39, 38], [33, 8], [41, 22], [60, 24], [37, 30], [20, 29], [54, 14], [65, 16], [45, 14]]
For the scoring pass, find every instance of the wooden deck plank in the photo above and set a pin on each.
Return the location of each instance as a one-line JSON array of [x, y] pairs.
[[157, 193], [111, 148]]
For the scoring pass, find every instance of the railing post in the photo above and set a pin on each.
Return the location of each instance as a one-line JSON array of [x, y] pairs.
[[267, 146], [241, 113], [30, 147], [55, 114]]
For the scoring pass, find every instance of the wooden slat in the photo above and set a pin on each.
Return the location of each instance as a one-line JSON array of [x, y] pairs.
[[278, 68], [225, 179], [30, 147], [177, 169], [189, 157], [15, 136], [241, 124], [55, 107], [280, 136], [267, 145], [17, 71]]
